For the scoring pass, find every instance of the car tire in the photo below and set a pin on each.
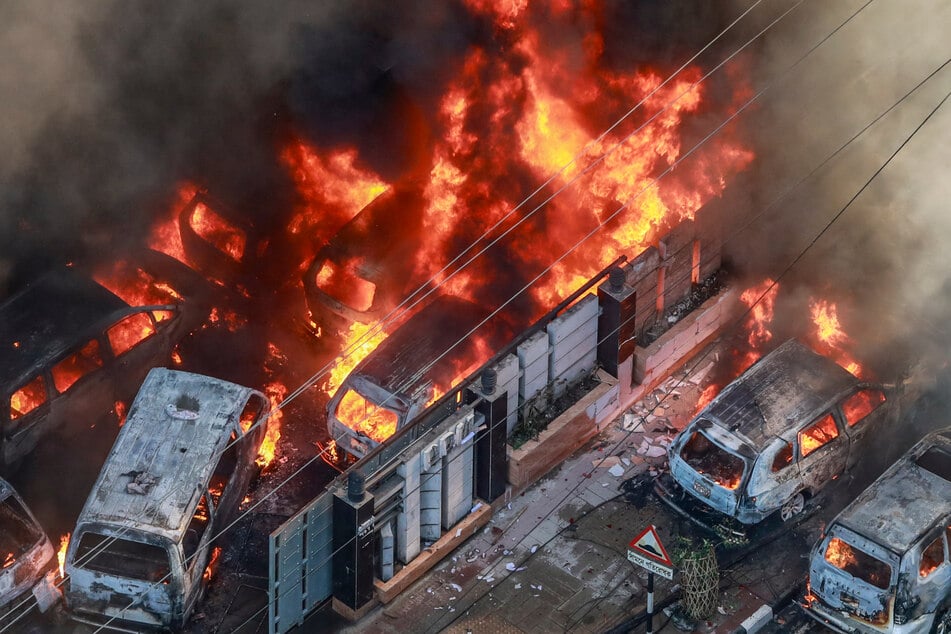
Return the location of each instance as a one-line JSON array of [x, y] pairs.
[[792, 507], [942, 623]]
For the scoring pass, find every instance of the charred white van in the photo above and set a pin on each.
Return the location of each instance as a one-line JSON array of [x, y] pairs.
[[174, 478], [771, 439], [27, 558], [884, 565]]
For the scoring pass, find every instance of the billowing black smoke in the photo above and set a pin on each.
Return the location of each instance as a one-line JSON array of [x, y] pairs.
[[108, 107]]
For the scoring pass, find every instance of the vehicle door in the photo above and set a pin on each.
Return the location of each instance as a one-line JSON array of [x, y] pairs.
[[195, 549], [140, 340], [822, 450], [83, 390], [934, 569], [27, 408], [861, 413], [775, 478]]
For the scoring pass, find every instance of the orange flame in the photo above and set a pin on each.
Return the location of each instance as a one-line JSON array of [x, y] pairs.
[[166, 235], [61, 554], [761, 299], [839, 553], [136, 287], [212, 564], [121, 411], [275, 392], [706, 396], [333, 189], [830, 337], [356, 348], [219, 232]]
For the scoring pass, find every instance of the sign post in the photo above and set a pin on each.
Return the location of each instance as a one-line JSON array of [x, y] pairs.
[[647, 551]]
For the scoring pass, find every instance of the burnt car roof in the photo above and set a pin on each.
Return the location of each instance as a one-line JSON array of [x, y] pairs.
[[782, 388], [48, 317], [904, 502], [176, 428], [423, 340]]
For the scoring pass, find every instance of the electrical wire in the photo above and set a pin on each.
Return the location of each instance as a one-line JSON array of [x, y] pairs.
[[785, 271], [688, 154]]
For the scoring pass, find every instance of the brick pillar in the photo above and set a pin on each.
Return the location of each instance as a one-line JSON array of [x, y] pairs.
[[354, 549]]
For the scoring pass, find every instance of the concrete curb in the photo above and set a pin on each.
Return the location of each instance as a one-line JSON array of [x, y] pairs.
[[756, 621]]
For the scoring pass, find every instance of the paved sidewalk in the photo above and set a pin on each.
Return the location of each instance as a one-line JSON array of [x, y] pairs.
[[554, 559]]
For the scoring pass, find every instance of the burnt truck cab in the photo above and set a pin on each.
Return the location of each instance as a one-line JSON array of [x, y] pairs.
[[173, 481], [884, 565], [69, 349], [394, 383], [771, 439], [27, 558]]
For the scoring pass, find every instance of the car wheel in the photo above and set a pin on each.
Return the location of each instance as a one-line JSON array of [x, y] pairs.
[[942, 624], [792, 507]]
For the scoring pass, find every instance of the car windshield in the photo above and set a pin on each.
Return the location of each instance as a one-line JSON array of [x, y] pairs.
[[123, 558], [708, 458], [858, 563], [365, 417]]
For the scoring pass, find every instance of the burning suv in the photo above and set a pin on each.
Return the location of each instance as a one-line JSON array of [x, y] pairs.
[[69, 350], [771, 439], [27, 559], [884, 564], [440, 344]]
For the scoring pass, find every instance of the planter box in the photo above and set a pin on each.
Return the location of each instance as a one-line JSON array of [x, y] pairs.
[[655, 363], [566, 433]]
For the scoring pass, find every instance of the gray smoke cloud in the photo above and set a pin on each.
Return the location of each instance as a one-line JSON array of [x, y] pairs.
[[886, 261]]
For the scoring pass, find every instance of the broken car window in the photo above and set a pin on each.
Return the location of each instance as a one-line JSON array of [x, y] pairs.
[[17, 533], [707, 458], [28, 398], [783, 458], [858, 563], [134, 328], [932, 557], [196, 530], [76, 366], [817, 434], [123, 558], [937, 461], [861, 404]]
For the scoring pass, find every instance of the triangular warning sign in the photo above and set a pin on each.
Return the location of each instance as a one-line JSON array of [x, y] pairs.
[[648, 543]]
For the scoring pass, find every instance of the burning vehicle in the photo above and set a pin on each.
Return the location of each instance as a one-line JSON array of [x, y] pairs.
[[142, 550], [70, 350], [356, 278], [771, 439], [27, 558], [884, 564], [409, 370]]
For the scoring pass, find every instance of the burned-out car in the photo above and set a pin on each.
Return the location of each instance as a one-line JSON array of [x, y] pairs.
[[139, 555], [357, 277], [772, 439], [69, 349], [883, 565], [441, 343], [27, 558]]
